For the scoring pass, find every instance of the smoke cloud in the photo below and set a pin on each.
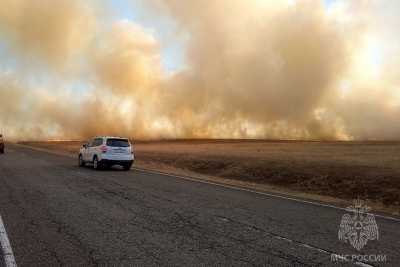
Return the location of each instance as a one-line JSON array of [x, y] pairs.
[[253, 69], [53, 31]]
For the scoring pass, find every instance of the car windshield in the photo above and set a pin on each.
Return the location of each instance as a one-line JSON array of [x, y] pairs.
[[118, 142]]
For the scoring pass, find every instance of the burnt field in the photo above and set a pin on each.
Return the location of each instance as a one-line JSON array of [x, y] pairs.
[[343, 170]]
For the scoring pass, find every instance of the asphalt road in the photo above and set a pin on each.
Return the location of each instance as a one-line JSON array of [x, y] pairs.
[[57, 214]]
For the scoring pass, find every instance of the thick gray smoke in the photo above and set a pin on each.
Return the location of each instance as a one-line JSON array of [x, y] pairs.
[[255, 65]]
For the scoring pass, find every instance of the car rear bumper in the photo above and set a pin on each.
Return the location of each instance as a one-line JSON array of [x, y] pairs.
[[116, 162], [113, 157]]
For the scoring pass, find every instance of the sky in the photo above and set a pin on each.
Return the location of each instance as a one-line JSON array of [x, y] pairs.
[[289, 69], [164, 29]]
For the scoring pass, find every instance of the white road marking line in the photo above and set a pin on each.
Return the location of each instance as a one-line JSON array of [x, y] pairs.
[[320, 250], [6, 246], [258, 192], [304, 245], [363, 264]]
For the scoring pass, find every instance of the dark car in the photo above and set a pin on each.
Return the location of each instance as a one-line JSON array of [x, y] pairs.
[[1, 144]]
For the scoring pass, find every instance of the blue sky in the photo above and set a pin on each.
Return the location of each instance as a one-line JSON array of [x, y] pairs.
[[164, 30]]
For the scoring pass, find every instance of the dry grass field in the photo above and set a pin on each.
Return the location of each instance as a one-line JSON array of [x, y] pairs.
[[344, 170]]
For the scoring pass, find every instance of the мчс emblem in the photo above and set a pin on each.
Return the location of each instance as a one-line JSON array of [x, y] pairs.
[[359, 227]]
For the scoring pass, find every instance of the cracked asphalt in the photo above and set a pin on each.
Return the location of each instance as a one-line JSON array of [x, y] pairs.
[[57, 214]]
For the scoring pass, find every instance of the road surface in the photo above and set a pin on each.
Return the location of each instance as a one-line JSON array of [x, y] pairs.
[[57, 214]]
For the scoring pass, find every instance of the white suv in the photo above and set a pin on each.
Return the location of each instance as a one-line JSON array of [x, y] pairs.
[[107, 151]]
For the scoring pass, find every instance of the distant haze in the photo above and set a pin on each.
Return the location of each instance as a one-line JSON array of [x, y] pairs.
[[253, 69]]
